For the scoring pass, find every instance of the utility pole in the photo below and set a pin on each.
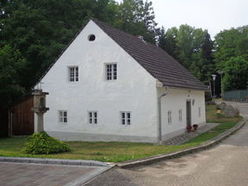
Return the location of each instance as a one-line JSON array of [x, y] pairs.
[[214, 78]]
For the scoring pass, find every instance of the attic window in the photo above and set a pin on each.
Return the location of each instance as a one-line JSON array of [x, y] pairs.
[[92, 37]]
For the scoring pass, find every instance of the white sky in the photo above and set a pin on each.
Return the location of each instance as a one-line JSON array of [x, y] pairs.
[[213, 15]]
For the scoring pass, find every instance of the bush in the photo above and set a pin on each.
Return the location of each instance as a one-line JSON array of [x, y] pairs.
[[42, 143]]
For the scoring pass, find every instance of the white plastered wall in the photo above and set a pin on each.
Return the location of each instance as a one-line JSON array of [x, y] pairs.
[[174, 101], [134, 91]]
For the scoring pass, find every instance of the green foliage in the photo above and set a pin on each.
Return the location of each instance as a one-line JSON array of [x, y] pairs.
[[11, 71], [137, 17], [231, 43], [192, 47], [236, 73], [231, 57], [42, 143]]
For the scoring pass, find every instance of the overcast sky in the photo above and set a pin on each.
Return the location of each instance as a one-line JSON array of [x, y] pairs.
[[213, 15]]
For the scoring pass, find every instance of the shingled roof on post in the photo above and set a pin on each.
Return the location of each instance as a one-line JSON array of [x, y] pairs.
[[155, 60]]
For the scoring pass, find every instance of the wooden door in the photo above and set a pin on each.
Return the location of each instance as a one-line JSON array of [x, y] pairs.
[[188, 112]]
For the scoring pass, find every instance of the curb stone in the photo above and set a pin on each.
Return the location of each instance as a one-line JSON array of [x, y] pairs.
[[204, 146], [56, 161], [90, 177]]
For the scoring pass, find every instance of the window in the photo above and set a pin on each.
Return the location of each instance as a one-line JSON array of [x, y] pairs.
[[73, 74], [111, 71], [63, 116], [92, 117], [180, 114], [199, 111], [193, 102], [91, 37], [169, 117], [126, 118]]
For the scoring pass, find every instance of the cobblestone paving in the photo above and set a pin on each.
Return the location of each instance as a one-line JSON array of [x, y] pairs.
[[26, 174], [188, 136]]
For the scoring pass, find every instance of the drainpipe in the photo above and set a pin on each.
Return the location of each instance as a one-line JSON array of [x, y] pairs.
[[160, 118]]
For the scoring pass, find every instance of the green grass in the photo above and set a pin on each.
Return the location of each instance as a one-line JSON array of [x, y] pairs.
[[212, 117], [102, 151], [119, 151], [212, 133]]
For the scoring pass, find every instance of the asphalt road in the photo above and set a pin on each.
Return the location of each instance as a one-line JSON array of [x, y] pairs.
[[223, 165]]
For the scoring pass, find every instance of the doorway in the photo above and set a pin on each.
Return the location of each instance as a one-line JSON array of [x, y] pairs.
[[188, 112]]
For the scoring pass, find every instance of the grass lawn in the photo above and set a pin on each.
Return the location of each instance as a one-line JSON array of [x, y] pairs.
[[119, 151]]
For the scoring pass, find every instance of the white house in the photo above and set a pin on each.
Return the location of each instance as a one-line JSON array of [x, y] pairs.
[[112, 86]]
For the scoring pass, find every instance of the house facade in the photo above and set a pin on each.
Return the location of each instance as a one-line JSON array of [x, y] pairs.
[[111, 86]]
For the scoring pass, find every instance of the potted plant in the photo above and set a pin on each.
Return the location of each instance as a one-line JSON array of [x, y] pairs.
[[189, 128], [195, 127]]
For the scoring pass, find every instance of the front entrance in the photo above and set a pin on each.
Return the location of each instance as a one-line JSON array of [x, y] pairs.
[[188, 112]]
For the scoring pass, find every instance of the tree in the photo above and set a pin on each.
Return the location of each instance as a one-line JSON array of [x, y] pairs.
[[137, 18], [230, 43], [231, 56], [235, 73], [192, 47], [11, 66], [167, 41]]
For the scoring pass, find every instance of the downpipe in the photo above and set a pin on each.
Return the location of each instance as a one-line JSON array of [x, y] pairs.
[[160, 118]]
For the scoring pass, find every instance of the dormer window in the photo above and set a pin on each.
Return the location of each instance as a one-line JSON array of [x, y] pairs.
[[91, 37], [111, 71], [73, 74]]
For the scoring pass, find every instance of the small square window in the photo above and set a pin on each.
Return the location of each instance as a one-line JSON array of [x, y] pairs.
[[92, 117], [111, 71], [73, 74], [63, 116], [180, 114], [126, 118]]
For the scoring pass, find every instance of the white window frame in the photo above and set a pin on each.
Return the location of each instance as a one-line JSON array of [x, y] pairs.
[[63, 116], [180, 115], [73, 73], [169, 117], [126, 118], [93, 117], [111, 71]]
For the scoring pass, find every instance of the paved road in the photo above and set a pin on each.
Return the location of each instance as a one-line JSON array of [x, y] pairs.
[[26, 174], [224, 165]]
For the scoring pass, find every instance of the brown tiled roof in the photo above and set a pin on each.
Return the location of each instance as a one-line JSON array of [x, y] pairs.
[[155, 60]]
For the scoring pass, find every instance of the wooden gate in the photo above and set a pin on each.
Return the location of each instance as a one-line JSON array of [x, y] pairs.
[[22, 117]]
